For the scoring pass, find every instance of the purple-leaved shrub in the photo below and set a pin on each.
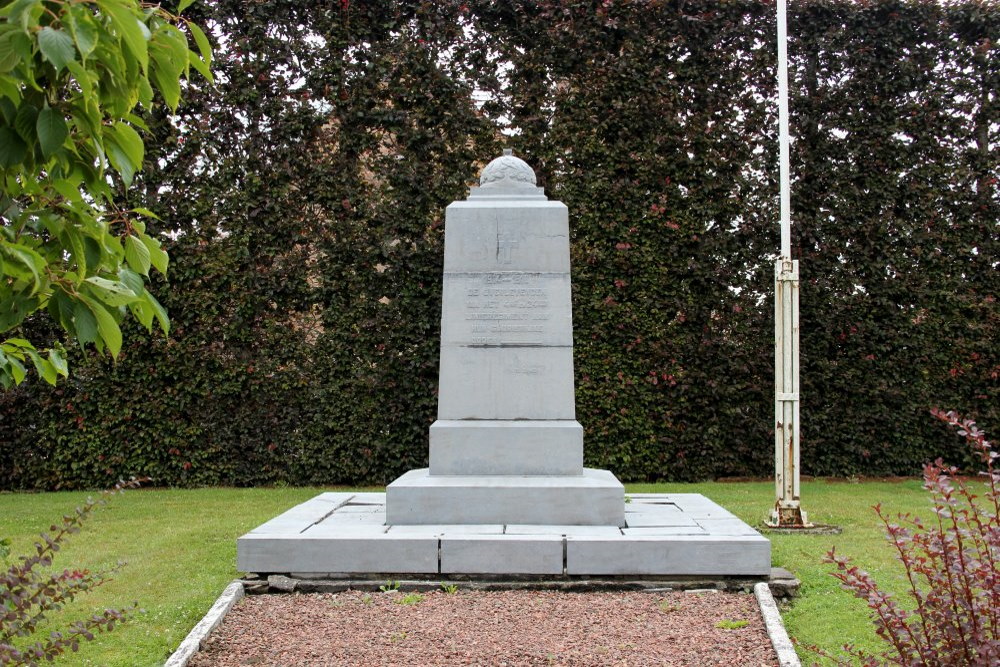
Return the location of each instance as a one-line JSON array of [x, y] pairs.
[[29, 589], [951, 566]]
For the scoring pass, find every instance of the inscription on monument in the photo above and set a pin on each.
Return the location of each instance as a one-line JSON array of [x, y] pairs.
[[506, 308]]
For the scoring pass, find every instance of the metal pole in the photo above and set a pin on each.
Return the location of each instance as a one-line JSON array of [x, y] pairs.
[[787, 509], [786, 200]]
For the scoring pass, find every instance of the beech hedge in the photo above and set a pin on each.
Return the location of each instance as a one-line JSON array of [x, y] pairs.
[[302, 202]]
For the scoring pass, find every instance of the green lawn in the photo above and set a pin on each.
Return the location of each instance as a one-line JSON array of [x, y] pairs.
[[180, 546]]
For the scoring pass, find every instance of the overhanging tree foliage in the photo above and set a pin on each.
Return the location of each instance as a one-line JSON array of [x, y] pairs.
[[73, 75], [304, 202]]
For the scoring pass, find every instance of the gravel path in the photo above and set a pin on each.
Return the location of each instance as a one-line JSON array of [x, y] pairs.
[[490, 628]]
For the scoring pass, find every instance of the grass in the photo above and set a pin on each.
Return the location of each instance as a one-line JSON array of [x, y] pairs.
[[180, 546]]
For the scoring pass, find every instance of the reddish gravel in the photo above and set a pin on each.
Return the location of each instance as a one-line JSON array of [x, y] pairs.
[[490, 628]]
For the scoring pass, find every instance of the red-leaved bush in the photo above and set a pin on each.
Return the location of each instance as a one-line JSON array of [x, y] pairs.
[[951, 565], [28, 590]]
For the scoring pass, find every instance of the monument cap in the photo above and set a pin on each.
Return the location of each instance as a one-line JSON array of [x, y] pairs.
[[507, 171]]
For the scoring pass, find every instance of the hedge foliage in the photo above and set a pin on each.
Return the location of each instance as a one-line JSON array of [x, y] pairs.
[[303, 197]]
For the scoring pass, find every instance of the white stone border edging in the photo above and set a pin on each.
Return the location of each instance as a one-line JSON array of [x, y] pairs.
[[775, 628], [192, 643]]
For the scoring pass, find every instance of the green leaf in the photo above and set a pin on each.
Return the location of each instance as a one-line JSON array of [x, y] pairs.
[[19, 342], [132, 280], [159, 311], [145, 92], [85, 323], [12, 148], [30, 259], [16, 370], [119, 158], [24, 122], [45, 370], [143, 312], [56, 46], [137, 255], [9, 53], [157, 256], [84, 30], [202, 68], [52, 130], [183, 4], [130, 142], [58, 362], [83, 78], [202, 41], [68, 189], [9, 111], [167, 77], [106, 326], [74, 242], [129, 28], [61, 309], [145, 211], [94, 253], [111, 292], [10, 89]]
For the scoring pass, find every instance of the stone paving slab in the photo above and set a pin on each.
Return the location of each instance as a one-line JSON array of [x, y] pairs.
[[665, 535]]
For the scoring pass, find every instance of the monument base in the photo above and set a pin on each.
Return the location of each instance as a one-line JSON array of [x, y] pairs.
[[594, 498], [664, 535]]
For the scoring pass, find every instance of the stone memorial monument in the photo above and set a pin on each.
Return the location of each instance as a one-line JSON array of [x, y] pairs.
[[506, 447], [506, 492]]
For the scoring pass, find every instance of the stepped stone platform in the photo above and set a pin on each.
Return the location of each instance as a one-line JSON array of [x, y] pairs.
[[346, 534]]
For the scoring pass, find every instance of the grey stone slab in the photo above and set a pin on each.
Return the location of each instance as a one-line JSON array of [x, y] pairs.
[[507, 554], [676, 555], [506, 309], [336, 529], [448, 529], [593, 498], [563, 531], [336, 497], [360, 509], [590, 550], [732, 526], [655, 509], [367, 497], [665, 531], [349, 552], [301, 516], [633, 520], [513, 447], [506, 383], [707, 512], [501, 235], [354, 518]]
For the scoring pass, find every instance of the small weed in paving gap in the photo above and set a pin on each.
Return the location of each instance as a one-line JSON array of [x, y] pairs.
[[628, 499], [366, 599], [389, 587], [667, 606], [450, 589], [397, 637], [727, 624], [410, 598]]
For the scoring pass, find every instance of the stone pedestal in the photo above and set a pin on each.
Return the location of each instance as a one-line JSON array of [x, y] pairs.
[[506, 492], [506, 447]]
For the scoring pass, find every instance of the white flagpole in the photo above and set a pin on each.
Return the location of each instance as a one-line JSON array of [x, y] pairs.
[[787, 511]]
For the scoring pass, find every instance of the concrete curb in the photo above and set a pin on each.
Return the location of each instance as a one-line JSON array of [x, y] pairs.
[[192, 643], [775, 628]]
